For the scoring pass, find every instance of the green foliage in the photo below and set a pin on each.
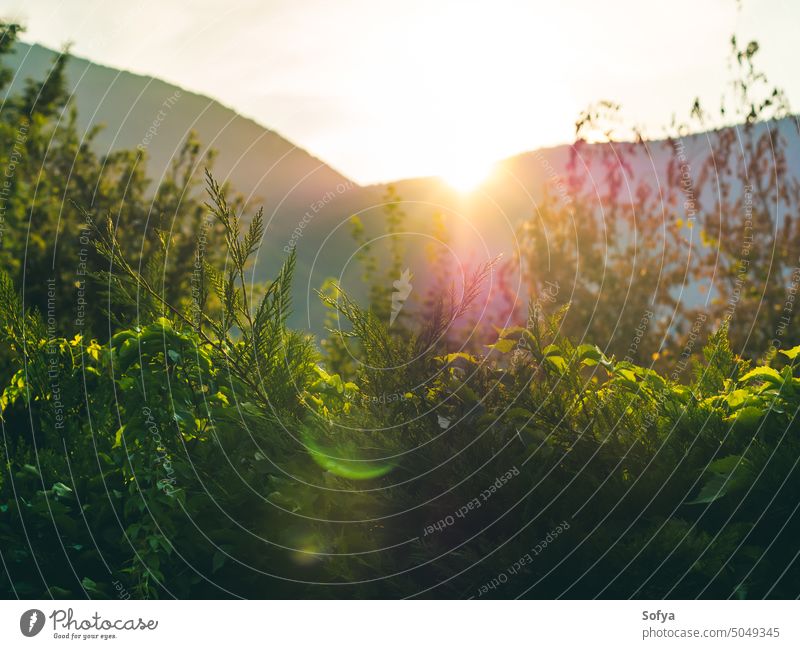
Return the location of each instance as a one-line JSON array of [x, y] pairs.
[[205, 450], [382, 259], [59, 190], [669, 489], [202, 448], [626, 242]]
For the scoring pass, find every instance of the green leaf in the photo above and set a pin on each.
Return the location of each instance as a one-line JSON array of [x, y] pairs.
[[558, 362], [504, 345], [725, 465], [737, 398], [552, 350], [792, 353], [119, 436], [714, 489], [727, 475], [510, 332], [589, 354], [61, 490], [763, 373], [218, 561], [626, 374], [449, 358], [745, 419]]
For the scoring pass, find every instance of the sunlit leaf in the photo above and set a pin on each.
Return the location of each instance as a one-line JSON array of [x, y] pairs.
[[504, 345]]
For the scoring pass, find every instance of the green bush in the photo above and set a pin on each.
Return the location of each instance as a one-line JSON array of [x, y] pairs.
[[216, 457], [184, 442]]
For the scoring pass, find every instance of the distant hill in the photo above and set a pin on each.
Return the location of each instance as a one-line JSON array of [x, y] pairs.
[[308, 203], [143, 111], [257, 160]]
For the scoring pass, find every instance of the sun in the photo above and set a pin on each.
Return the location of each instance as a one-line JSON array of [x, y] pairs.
[[467, 175]]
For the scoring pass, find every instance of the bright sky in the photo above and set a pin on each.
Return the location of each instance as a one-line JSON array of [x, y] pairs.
[[384, 89]]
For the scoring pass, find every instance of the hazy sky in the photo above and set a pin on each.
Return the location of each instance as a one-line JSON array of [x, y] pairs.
[[386, 89]]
